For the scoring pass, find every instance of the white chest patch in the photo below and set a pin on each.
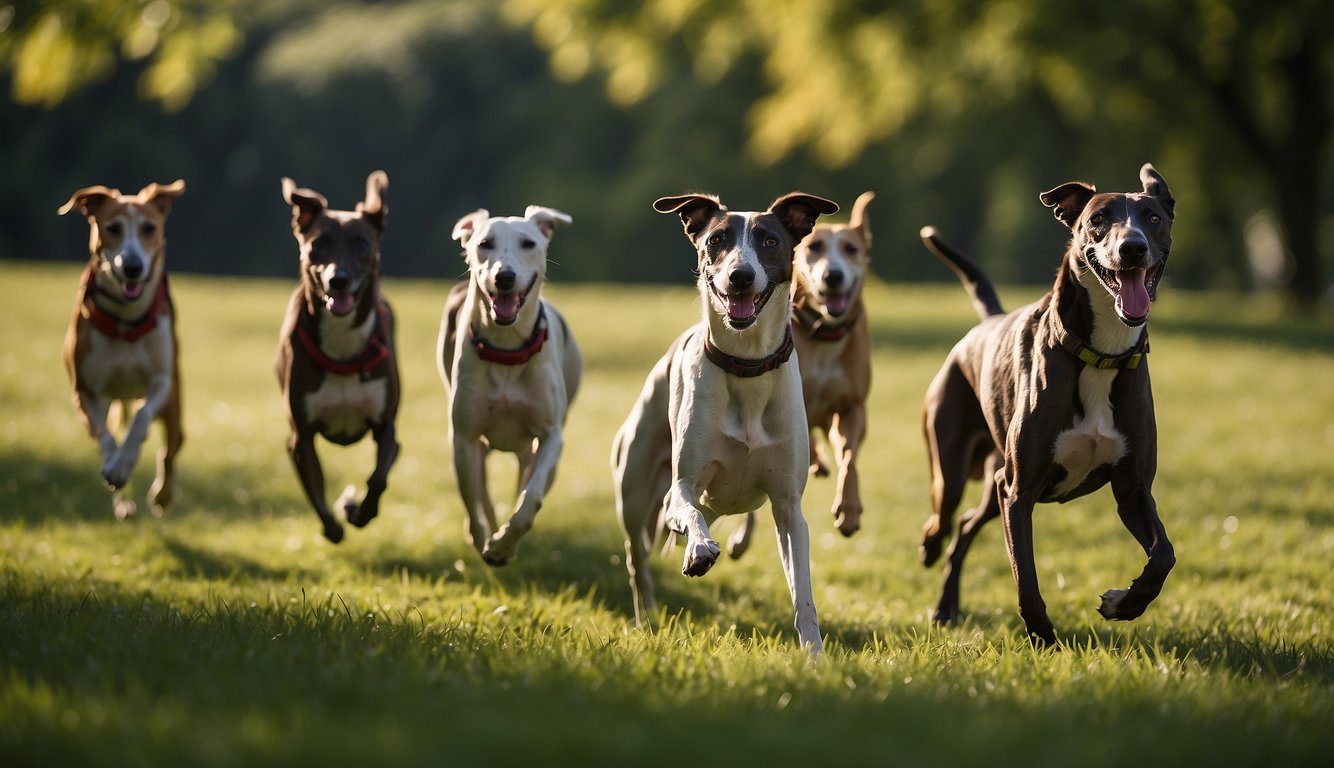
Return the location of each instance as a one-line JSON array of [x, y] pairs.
[[1093, 441], [346, 405]]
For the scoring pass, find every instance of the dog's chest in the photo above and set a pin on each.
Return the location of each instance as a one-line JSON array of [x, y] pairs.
[[508, 405], [122, 369], [1093, 441], [346, 405], [824, 381]]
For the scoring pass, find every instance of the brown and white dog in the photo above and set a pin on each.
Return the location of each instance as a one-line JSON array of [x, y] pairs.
[[121, 345], [1052, 401], [336, 363], [833, 344], [720, 426], [510, 367]]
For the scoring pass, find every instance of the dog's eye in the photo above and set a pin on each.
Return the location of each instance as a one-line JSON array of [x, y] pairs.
[[361, 244], [319, 245], [816, 247], [715, 239], [147, 229], [770, 242], [487, 244], [527, 244], [1097, 219], [114, 228], [1153, 218], [849, 249]]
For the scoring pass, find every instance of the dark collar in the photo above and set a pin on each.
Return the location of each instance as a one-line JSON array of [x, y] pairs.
[[375, 352], [737, 366], [523, 354], [812, 322], [110, 325], [1130, 359]]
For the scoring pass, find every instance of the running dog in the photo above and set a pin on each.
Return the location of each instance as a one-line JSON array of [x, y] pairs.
[[833, 346], [510, 367], [336, 362], [720, 426], [121, 345], [1052, 401]]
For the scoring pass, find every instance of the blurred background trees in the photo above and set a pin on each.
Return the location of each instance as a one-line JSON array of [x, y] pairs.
[[957, 113]]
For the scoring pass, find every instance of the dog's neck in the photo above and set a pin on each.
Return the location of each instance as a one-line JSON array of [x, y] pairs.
[[759, 340], [1088, 312]]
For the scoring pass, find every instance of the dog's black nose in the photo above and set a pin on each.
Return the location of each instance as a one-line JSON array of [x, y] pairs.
[[741, 278], [339, 281], [1134, 250], [834, 278], [505, 279], [133, 269]]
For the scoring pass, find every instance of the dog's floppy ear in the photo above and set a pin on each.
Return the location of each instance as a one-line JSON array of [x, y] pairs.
[[88, 200], [375, 208], [1068, 200], [1156, 186], [798, 212], [547, 218], [307, 204], [470, 223], [859, 221], [160, 195], [696, 210]]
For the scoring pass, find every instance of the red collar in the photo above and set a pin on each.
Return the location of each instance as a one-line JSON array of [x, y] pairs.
[[748, 368], [812, 322], [373, 354], [110, 325], [518, 356]]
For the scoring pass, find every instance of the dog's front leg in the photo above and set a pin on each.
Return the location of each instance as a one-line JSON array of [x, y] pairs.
[[301, 447], [116, 471], [94, 411], [1017, 514], [687, 519], [469, 469], [386, 444], [794, 551], [1139, 513], [537, 478], [845, 435]]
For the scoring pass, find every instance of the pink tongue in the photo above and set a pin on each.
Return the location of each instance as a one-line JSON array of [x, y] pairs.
[[836, 303], [741, 307], [506, 306], [132, 290], [1132, 298], [340, 304]]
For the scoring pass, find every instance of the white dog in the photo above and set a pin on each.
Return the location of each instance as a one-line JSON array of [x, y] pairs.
[[720, 425], [510, 367]]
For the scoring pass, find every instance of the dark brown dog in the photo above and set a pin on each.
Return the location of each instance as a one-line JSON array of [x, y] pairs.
[[336, 361], [1052, 401], [121, 345]]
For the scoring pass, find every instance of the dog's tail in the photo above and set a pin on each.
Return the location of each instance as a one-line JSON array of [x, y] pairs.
[[980, 289]]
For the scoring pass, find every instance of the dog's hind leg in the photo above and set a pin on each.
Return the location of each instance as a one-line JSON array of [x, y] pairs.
[[386, 444], [1139, 513], [641, 475], [163, 490], [504, 543], [307, 462], [470, 469], [794, 551], [954, 425], [947, 610], [739, 541], [845, 436]]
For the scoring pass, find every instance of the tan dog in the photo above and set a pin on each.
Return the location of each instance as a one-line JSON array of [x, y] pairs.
[[720, 427], [833, 344], [121, 345]]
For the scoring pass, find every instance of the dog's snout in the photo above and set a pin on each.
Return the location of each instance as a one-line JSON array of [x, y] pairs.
[[834, 278], [505, 280], [339, 281], [741, 278], [132, 268], [1134, 250]]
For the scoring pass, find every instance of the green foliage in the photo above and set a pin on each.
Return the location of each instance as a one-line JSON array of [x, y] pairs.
[[230, 633]]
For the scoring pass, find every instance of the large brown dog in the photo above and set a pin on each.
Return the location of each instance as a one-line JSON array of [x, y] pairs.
[[1052, 401], [336, 362], [121, 345]]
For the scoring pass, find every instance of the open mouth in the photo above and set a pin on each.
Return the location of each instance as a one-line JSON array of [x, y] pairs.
[[132, 289], [836, 303], [340, 303], [1133, 289], [743, 309], [505, 305]]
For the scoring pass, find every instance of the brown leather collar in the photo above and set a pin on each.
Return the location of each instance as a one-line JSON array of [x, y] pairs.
[[375, 352], [523, 354], [743, 368], [110, 325], [812, 322]]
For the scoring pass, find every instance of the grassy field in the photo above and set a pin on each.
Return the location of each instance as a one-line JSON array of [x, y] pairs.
[[230, 633]]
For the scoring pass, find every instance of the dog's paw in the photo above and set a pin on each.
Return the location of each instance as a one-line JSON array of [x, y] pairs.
[[848, 520], [738, 542], [116, 473], [333, 532], [945, 615], [819, 469], [1114, 606], [160, 497], [122, 507], [356, 513], [700, 557]]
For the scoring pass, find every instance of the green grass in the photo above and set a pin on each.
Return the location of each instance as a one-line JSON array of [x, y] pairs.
[[230, 633]]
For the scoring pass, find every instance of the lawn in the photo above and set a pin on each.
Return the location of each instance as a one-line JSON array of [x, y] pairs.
[[231, 633]]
